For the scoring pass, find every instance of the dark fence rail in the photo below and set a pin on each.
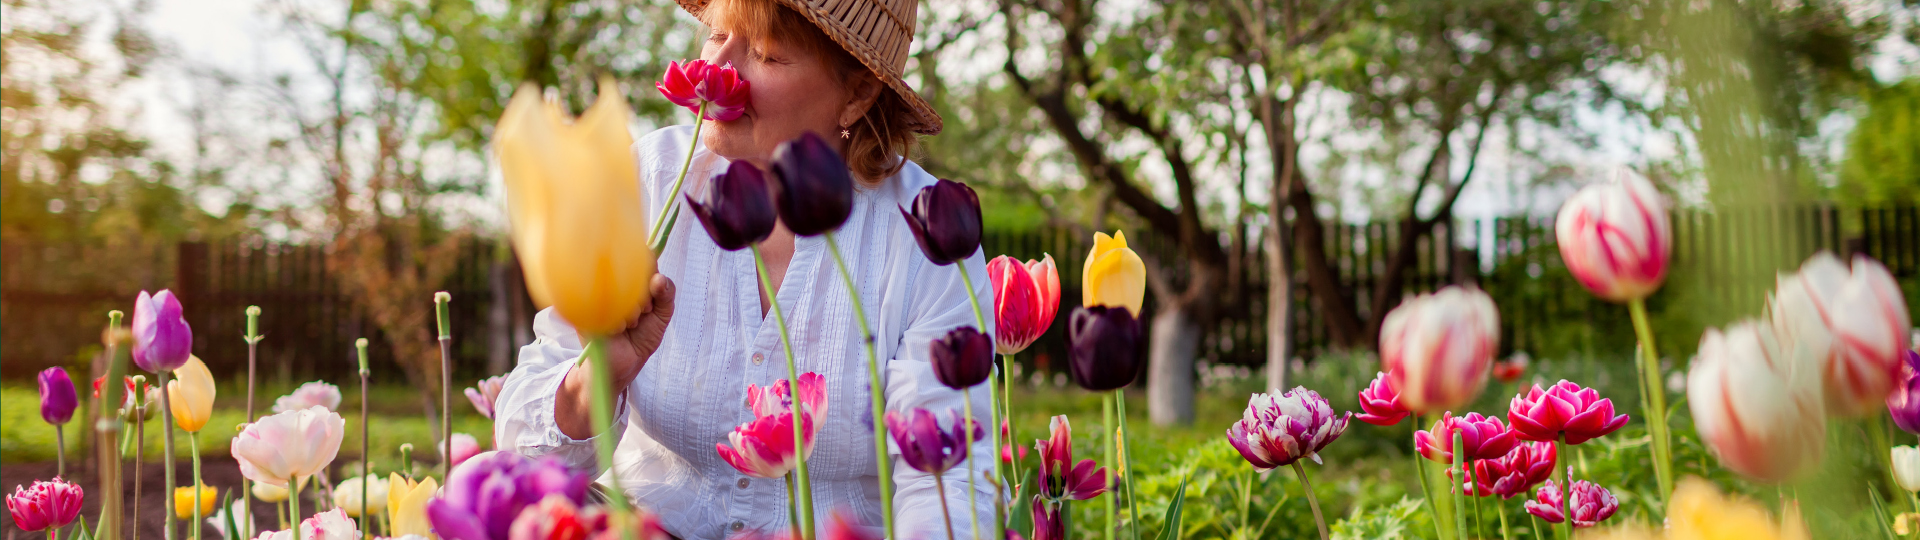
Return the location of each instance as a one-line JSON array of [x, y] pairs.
[[53, 296]]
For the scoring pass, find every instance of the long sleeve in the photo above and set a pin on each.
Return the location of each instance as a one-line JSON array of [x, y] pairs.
[[523, 413], [911, 384]]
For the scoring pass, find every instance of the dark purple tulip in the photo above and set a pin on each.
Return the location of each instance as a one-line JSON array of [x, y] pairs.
[[162, 341], [57, 396], [738, 211], [926, 446], [1904, 403], [962, 358], [1103, 347], [813, 189], [946, 221], [486, 492], [1047, 524]]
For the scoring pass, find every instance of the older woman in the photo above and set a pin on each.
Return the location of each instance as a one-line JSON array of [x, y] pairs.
[[831, 67]]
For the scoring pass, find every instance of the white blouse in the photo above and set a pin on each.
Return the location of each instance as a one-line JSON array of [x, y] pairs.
[[692, 392]]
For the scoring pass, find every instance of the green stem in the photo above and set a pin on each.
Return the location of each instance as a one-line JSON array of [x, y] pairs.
[[877, 390], [1539, 531], [166, 427], [993, 457], [1459, 501], [1505, 532], [1566, 490], [659, 233], [1246, 504], [293, 501], [1913, 529], [1473, 490], [1312, 501], [1441, 525], [1656, 405], [1126, 460], [1113, 469], [1877, 432], [602, 395], [793, 377], [973, 508], [940, 486], [193, 445], [793, 512], [60, 450]]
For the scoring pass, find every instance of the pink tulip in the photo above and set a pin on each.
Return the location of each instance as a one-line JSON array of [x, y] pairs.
[[1512, 368], [1590, 504], [720, 87], [1566, 412], [1614, 238], [1437, 348], [285, 447], [483, 393], [841, 527], [1025, 299], [1526, 466], [1276, 431], [778, 398], [329, 525], [1061, 478], [1755, 404], [557, 518], [1482, 437], [1854, 321], [764, 447], [309, 395], [45, 504], [1047, 522], [464, 447], [1379, 404]]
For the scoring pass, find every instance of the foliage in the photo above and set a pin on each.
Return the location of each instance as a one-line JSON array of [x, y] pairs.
[[1883, 151]]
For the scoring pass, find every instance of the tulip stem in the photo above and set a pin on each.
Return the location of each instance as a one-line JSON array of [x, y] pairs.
[[1656, 395], [1459, 500], [139, 457], [1246, 505], [1312, 501], [253, 349], [876, 386], [793, 375], [973, 508], [940, 486], [1440, 524], [193, 445], [366, 466], [1126, 462], [293, 501], [993, 459], [1505, 532], [661, 227], [107, 428], [60, 450], [602, 395], [1113, 470], [1566, 489], [166, 427], [793, 515]]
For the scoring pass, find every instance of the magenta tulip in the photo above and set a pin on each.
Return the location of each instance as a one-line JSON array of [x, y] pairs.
[[483, 394], [1276, 431], [1025, 299], [1482, 437], [162, 341], [45, 504], [945, 220], [1379, 404], [1565, 412], [763, 448], [719, 87], [1516, 473], [925, 445], [962, 358], [1060, 477], [1047, 524], [58, 398], [1904, 403], [1590, 504], [484, 495]]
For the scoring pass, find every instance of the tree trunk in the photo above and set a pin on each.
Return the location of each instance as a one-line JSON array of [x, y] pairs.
[[1279, 301], [1174, 342]]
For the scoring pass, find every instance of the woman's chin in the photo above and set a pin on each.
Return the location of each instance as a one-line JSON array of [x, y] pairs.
[[729, 140]]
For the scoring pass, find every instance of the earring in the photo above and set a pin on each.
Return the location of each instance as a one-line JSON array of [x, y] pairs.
[[844, 134]]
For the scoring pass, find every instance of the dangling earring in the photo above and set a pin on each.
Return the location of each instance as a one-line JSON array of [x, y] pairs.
[[844, 134]]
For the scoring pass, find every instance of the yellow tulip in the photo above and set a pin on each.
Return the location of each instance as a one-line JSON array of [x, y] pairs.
[[1699, 511], [1114, 274], [190, 395], [269, 493], [577, 215], [183, 501], [407, 504]]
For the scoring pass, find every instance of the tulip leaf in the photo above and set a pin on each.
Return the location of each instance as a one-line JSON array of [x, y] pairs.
[[80, 532], [1880, 514], [226, 512], [1174, 508]]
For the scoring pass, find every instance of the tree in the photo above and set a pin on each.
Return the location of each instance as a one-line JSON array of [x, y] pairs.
[[1883, 152]]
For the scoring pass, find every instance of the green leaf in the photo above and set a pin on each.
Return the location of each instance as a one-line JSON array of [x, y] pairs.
[[80, 532], [234, 532], [1880, 514], [1174, 509]]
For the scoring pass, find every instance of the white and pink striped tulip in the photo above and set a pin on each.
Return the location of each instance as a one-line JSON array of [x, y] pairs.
[[1437, 349], [1854, 321], [1756, 404], [1615, 238]]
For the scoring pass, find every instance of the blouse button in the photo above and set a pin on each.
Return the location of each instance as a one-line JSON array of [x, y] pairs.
[[736, 526], [758, 358], [742, 483]]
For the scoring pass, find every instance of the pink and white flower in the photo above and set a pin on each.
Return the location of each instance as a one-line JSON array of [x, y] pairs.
[[1379, 404], [309, 395], [483, 394], [1590, 504], [288, 446], [1481, 437], [1437, 348], [1757, 405], [1276, 431], [1614, 237], [45, 504], [1854, 321], [1060, 477]]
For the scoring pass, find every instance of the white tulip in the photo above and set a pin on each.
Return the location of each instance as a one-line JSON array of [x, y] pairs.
[[1854, 321], [346, 495], [1906, 467], [1756, 405], [289, 446]]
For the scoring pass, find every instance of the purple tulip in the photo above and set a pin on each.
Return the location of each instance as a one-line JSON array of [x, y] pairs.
[[1565, 412], [483, 393], [1104, 347], [1590, 504], [1483, 437], [162, 341], [738, 211], [946, 221], [926, 446], [1278, 430], [484, 494], [1904, 403], [1047, 524], [813, 189], [58, 398], [962, 358]]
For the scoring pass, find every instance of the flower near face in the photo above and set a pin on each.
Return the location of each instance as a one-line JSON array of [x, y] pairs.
[[1756, 405], [1615, 238], [1276, 431], [962, 358], [285, 447], [45, 503], [1590, 504], [1025, 299], [945, 221], [483, 394], [812, 189], [925, 445], [309, 395], [1047, 524], [242, 520], [1437, 348], [464, 448], [763, 448], [1061, 478], [1906, 467], [575, 212], [1526, 466], [162, 341], [183, 501], [720, 87], [190, 396], [1482, 437], [407, 504], [1854, 321], [1103, 350], [1114, 275], [485, 494], [329, 525], [1379, 404], [556, 518], [346, 495], [1903, 404], [738, 211], [58, 398], [1565, 412]]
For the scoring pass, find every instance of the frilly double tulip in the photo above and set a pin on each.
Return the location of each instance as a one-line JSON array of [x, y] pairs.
[[329, 525], [763, 448], [1114, 275], [1047, 523], [813, 190], [1590, 504], [738, 211], [45, 504], [1755, 404], [312, 394], [778, 398], [1906, 467], [720, 88], [58, 398], [1379, 404], [1025, 299], [1103, 350], [1060, 477], [1854, 321], [464, 448], [482, 394], [346, 495], [578, 218], [1482, 437], [190, 396], [1615, 238], [183, 501], [1903, 404], [484, 495], [1437, 348], [1566, 412], [962, 358], [1277, 430], [406, 504], [289, 446], [1516, 473], [945, 220], [162, 341], [926, 445]]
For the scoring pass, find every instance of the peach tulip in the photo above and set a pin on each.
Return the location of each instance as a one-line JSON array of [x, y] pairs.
[[1438, 348], [1854, 321], [190, 396], [1615, 238], [289, 446], [1757, 405], [1114, 275]]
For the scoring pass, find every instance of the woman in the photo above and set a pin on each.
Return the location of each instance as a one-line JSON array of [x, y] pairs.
[[685, 364]]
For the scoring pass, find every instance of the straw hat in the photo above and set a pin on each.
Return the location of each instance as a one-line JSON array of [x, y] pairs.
[[878, 32]]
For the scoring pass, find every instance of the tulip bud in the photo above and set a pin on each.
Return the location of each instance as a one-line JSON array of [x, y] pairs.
[[1114, 275], [1756, 406], [190, 397], [162, 341], [1903, 404], [962, 358], [1906, 467], [927, 446], [183, 506], [1854, 322], [58, 398], [945, 220], [813, 190], [1379, 404], [1025, 300], [1103, 347], [1615, 238], [738, 211], [346, 495], [1437, 348]]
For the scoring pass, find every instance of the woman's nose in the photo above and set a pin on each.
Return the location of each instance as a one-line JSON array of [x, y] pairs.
[[732, 51]]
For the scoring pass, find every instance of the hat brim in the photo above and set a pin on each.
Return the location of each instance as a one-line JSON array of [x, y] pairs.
[[926, 121]]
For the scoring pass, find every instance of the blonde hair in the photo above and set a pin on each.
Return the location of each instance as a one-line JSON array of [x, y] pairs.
[[878, 142]]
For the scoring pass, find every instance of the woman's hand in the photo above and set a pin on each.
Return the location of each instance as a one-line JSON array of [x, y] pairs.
[[626, 354]]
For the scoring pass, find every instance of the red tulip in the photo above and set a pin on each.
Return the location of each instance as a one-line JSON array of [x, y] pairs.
[[841, 527], [557, 518], [1566, 412], [1526, 466], [1047, 522], [1511, 369], [127, 395], [45, 504], [1379, 404], [1482, 437], [1060, 477], [720, 87], [1025, 299]]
